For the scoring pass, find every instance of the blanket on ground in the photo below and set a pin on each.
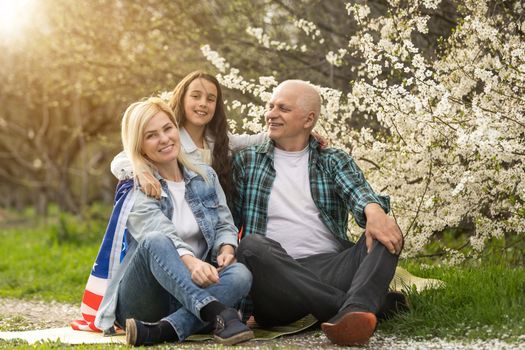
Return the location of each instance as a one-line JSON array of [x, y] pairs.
[[67, 335]]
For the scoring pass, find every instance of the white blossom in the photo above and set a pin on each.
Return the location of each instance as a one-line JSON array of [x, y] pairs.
[[454, 142], [336, 59], [214, 57], [431, 4], [265, 40], [421, 24], [309, 28], [166, 95]]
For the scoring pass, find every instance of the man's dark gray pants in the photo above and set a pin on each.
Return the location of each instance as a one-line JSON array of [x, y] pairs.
[[284, 289]]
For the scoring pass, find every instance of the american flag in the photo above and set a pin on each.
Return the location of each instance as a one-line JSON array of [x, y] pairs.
[[110, 255]]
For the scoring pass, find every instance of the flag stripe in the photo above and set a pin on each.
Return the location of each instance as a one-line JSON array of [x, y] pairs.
[[92, 300], [88, 318], [110, 254]]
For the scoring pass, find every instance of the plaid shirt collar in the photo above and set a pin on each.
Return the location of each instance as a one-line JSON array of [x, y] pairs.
[[268, 147]]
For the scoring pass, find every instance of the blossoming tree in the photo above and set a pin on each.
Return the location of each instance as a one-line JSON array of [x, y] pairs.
[[451, 146]]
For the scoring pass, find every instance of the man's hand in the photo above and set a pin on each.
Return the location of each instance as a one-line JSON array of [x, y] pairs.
[[383, 228], [202, 273], [226, 256], [149, 184]]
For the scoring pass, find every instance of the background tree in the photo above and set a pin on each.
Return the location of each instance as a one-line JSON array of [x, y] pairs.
[[426, 95], [449, 144]]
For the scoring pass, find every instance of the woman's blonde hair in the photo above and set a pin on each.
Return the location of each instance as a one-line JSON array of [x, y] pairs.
[[134, 121]]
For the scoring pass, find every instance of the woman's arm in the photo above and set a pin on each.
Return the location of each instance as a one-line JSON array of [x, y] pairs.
[[202, 273]]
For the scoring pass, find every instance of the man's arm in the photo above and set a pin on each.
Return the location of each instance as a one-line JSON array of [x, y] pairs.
[[369, 209], [353, 188], [238, 182]]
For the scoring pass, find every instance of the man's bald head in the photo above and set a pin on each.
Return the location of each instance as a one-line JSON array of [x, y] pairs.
[[291, 114], [307, 96]]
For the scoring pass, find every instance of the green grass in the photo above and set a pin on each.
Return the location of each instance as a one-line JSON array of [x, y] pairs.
[[48, 261], [482, 299], [478, 302]]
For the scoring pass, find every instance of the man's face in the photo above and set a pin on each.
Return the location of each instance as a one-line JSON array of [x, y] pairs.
[[285, 117]]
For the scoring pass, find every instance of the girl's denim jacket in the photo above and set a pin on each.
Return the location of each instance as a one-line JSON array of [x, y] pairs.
[[148, 215]]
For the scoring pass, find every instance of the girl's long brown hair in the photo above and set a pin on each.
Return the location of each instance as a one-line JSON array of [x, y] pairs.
[[217, 127]]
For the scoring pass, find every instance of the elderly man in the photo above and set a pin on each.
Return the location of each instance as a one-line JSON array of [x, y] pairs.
[[293, 202]]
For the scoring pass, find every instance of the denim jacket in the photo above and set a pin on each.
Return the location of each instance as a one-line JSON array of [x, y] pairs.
[[148, 215]]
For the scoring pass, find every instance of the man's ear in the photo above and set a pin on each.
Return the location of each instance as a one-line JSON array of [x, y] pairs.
[[309, 122]]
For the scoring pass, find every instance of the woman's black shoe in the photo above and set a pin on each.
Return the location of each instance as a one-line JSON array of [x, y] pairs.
[[145, 333], [229, 329]]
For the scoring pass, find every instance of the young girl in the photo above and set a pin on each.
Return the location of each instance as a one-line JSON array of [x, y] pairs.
[[198, 104], [165, 277]]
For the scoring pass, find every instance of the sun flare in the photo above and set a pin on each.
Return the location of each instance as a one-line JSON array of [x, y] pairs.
[[14, 16]]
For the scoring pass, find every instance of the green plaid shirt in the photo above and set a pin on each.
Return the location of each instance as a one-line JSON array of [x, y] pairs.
[[337, 186]]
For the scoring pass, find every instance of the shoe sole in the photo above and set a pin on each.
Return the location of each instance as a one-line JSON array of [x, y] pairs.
[[354, 328], [131, 332], [238, 338]]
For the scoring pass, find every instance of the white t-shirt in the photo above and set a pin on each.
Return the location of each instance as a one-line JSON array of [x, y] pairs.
[[186, 226], [293, 218]]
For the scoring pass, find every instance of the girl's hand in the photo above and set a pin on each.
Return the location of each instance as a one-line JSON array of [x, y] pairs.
[[323, 142], [149, 184], [226, 256], [202, 273]]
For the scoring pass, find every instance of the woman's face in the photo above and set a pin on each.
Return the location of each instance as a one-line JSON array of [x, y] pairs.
[[161, 143], [200, 101]]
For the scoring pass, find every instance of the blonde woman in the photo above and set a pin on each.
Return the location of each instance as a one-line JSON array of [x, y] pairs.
[[180, 272]]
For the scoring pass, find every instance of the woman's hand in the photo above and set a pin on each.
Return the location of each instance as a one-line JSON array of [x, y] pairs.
[[226, 256], [149, 184], [202, 273]]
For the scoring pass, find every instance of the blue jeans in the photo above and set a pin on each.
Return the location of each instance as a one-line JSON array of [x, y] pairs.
[[157, 285]]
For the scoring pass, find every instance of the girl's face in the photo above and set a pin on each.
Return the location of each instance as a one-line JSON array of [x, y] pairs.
[[200, 101], [161, 143]]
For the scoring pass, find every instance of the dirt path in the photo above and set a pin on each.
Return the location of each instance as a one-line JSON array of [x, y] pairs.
[[22, 314]]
